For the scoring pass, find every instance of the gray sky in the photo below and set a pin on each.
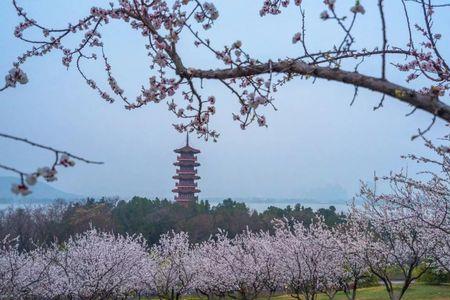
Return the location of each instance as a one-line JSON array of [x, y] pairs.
[[315, 139]]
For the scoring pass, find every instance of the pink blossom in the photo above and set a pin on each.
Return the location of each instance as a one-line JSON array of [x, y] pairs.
[[296, 38]]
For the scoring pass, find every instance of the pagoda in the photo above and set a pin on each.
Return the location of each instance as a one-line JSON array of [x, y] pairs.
[[186, 174]]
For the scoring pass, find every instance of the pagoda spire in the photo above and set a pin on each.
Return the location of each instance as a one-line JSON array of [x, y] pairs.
[[186, 174]]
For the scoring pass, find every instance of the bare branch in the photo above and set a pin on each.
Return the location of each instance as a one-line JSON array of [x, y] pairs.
[[23, 140], [383, 31], [428, 103]]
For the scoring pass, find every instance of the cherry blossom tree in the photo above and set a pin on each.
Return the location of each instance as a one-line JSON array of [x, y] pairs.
[[241, 262], [253, 264], [252, 81], [352, 243], [91, 265], [268, 257], [241, 267], [213, 271], [96, 265], [425, 198], [311, 262], [13, 266], [173, 268], [399, 241]]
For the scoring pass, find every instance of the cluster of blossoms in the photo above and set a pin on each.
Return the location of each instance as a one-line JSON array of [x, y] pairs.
[[358, 8], [47, 173], [273, 7], [15, 75], [208, 13], [427, 62], [300, 259]]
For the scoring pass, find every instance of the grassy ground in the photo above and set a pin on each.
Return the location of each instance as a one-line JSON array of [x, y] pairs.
[[415, 292]]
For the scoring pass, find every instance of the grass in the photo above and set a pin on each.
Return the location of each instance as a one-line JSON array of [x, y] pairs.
[[415, 292]]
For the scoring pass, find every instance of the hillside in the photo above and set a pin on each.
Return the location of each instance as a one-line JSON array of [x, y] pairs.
[[42, 193]]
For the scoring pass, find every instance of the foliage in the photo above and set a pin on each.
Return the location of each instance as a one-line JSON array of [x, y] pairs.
[[151, 218], [435, 276], [369, 280]]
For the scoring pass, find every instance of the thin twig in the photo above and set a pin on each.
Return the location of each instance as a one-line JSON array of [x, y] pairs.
[[7, 136]]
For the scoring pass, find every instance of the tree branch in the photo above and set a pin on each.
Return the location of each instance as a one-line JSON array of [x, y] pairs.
[[7, 136], [429, 103]]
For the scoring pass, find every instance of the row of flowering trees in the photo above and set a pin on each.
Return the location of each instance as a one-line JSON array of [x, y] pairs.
[[293, 258], [406, 230]]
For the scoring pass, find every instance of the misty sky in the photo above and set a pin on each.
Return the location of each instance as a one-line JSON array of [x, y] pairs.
[[314, 140]]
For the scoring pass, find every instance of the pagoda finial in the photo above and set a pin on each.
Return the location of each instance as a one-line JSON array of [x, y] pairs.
[[187, 138]]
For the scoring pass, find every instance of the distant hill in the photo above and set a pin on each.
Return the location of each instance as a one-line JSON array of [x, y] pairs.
[[41, 193]]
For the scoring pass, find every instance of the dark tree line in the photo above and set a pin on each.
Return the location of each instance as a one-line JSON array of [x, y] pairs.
[[151, 218]]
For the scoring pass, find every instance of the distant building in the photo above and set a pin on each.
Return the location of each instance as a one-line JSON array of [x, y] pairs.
[[186, 174]]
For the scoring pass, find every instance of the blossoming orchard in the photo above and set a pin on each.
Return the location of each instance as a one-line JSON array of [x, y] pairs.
[[296, 259], [406, 228]]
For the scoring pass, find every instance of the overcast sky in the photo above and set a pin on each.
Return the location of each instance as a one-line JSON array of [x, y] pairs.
[[314, 140]]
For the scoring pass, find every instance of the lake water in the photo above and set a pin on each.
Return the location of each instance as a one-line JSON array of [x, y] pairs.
[[28, 205]]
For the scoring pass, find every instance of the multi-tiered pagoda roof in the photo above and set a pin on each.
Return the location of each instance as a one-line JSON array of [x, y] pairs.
[[186, 174]]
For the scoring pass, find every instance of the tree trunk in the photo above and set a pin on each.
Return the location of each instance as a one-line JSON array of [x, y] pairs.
[[354, 288], [331, 294]]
